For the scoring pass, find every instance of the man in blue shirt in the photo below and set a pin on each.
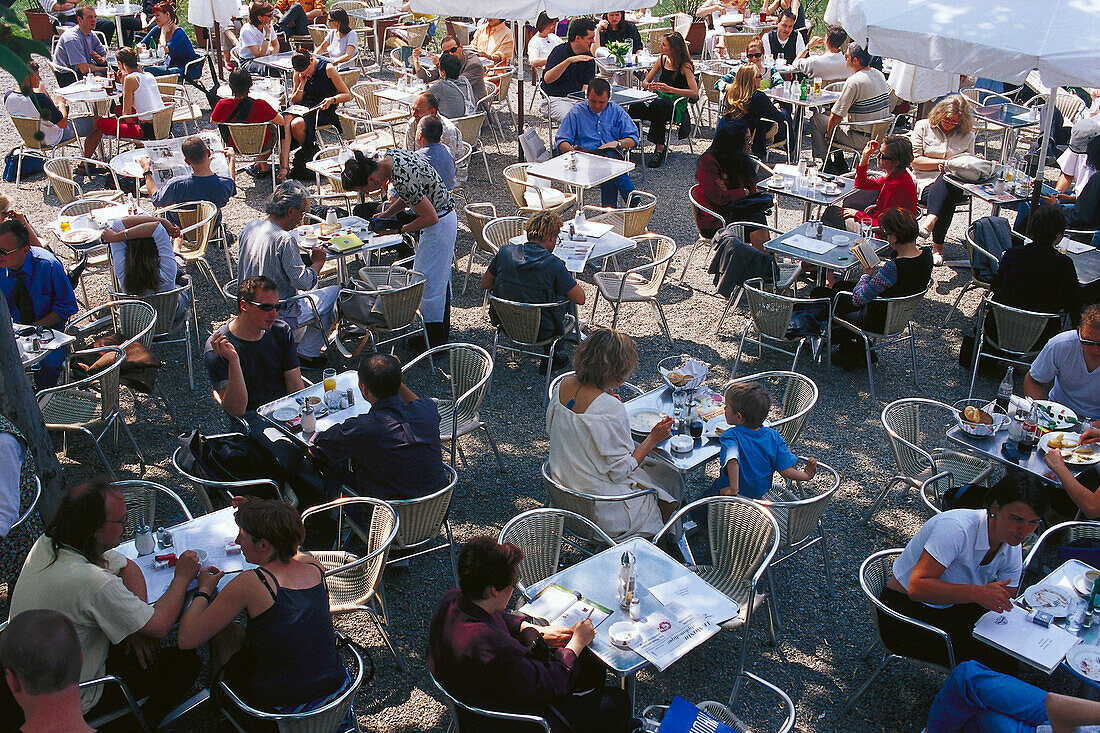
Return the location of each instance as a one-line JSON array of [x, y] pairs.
[[201, 184], [37, 290], [391, 452], [601, 127], [429, 133], [79, 50]]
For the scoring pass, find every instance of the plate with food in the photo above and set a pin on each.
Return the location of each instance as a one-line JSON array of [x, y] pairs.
[[1068, 444], [1083, 583], [1054, 601], [1054, 416], [1084, 659], [642, 422], [714, 427], [80, 236]]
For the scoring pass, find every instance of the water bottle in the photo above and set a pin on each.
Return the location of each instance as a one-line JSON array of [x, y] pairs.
[[1004, 392], [143, 540], [628, 579], [805, 90]]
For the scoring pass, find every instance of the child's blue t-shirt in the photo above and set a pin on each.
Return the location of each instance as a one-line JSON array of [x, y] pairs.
[[759, 454]]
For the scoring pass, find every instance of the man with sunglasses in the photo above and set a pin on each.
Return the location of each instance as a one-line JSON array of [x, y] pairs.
[[473, 68], [38, 292]]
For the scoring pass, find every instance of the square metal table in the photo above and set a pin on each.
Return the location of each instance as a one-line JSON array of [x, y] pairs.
[[592, 170], [623, 96], [358, 226], [812, 101], [278, 61], [991, 448], [985, 192], [809, 197], [596, 578], [344, 380], [1010, 117], [374, 16], [838, 259], [1088, 266], [660, 400], [605, 246]]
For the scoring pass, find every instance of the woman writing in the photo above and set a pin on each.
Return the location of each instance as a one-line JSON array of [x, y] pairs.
[[727, 180], [341, 44], [590, 443], [895, 188], [947, 133], [673, 78], [496, 660], [318, 86], [745, 101], [172, 43], [418, 187], [961, 564], [140, 96]]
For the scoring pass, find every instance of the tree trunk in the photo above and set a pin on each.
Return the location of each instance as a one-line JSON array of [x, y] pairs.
[[17, 403]]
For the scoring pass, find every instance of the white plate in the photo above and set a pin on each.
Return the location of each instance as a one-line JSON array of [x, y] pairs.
[[284, 414], [1082, 584], [1073, 456], [715, 427], [642, 422], [1054, 601], [1059, 412], [80, 236], [1085, 660]]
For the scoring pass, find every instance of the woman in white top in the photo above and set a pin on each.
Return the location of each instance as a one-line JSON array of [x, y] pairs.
[[258, 39], [340, 46], [947, 133], [140, 96], [961, 564], [543, 42], [590, 445], [141, 255]]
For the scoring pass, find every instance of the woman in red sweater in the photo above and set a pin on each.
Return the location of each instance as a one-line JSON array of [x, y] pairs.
[[896, 188], [726, 175]]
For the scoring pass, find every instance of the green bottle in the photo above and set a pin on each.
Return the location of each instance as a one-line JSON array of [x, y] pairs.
[[805, 89], [1094, 596]]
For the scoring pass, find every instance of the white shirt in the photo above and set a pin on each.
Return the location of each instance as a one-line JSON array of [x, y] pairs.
[[540, 48], [20, 105], [1063, 362], [337, 46], [828, 66], [253, 36], [11, 464], [1072, 164], [168, 265], [958, 540]]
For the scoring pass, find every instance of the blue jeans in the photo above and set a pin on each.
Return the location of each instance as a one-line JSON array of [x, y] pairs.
[[609, 191], [975, 699]]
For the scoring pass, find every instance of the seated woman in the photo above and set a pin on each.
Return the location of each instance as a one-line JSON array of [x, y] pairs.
[[243, 108], [713, 10], [140, 96], [142, 257], [615, 27], [744, 101], [961, 564], [1082, 212], [317, 84], [493, 41], [946, 133], [672, 77], [172, 42], [895, 189], [286, 659], [492, 659], [591, 448], [906, 272], [726, 175], [341, 44], [258, 39]]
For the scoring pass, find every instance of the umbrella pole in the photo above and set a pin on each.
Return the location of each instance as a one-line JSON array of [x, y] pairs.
[[1040, 170], [519, 78]]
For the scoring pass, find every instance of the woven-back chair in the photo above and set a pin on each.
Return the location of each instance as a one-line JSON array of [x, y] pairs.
[[560, 496], [141, 505], [224, 491], [364, 94], [1017, 336], [165, 304], [477, 216], [977, 256], [59, 172], [355, 582], [1044, 556], [540, 533], [421, 520], [518, 325], [196, 220], [770, 314], [502, 99], [898, 327], [736, 43], [318, 32], [470, 719], [784, 717], [915, 427], [874, 129], [469, 127], [639, 284], [629, 221], [161, 122], [543, 198], [384, 302], [794, 396], [698, 211], [28, 129], [248, 140], [711, 98]]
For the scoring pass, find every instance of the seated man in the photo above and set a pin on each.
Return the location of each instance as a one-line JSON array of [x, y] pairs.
[[601, 127], [530, 273], [473, 70], [429, 134], [426, 104], [569, 68], [391, 452], [53, 112], [864, 96], [103, 594], [1067, 370], [38, 292], [494, 41], [455, 95], [270, 247], [40, 654], [783, 42], [297, 15], [202, 184], [79, 50], [828, 66]]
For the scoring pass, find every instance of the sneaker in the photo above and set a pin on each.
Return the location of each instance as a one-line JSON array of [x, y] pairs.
[[937, 258], [657, 159]]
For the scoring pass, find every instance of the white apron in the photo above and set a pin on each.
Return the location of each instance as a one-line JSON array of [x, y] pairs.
[[434, 255]]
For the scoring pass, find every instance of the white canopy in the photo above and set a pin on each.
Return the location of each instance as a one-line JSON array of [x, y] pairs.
[[526, 9], [994, 39]]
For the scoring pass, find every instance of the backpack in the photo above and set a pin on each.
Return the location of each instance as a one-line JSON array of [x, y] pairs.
[[232, 457], [33, 164]]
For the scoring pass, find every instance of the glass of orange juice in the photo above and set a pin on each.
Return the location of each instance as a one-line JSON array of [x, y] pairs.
[[330, 379]]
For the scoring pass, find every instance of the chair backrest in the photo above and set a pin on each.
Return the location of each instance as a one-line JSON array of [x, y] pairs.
[[40, 25], [59, 170], [248, 137], [539, 533], [899, 312], [534, 149], [134, 318], [771, 312], [798, 514], [477, 216], [563, 497], [28, 127], [516, 177], [165, 305], [461, 712], [707, 82], [162, 121], [421, 518], [364, 93], [1018, 330], [499, 231], [664, 249], [698, 209], [1070, 105], [196, 220], [798, 397], [907, 422], [397, 301], [141, 505], [981, 260], [353, 580], [350, 77], [469, 127], [471, 367], [520, 322], [318, 32], [737, 42]]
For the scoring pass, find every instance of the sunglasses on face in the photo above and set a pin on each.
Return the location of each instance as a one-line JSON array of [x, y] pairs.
[[265, 307], [755, 55], [1089, 342], [453, 49], [9, 252]]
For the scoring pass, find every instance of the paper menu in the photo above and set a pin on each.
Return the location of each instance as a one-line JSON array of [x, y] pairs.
[[1074, 248], [806, 244], [558, 605], [574, 254], [1012, 633], [691, 591], [669, 633]]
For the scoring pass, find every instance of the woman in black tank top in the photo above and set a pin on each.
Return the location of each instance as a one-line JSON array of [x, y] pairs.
[[672, 77], [317, 84]]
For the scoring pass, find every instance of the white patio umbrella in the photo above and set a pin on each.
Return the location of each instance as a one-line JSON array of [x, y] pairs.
[[526, 10], [995, 39]]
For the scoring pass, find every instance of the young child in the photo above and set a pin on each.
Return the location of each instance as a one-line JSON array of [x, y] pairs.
[[751, 453]]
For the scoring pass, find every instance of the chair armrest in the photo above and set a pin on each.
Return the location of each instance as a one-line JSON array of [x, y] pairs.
[[120, 355]]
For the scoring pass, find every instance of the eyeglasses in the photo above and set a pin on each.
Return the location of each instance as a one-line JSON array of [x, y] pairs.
[[452, 49], [1089, 342], [755, 55], [265, 307], [8, 252]]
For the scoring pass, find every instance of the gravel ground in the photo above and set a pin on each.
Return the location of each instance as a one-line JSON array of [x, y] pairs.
[[817, 659]]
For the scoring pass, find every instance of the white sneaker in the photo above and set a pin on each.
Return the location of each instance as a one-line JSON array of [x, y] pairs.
[[937, 259]]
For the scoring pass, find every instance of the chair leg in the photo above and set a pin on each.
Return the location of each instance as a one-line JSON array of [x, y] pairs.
[[825, 561], [664, 323], [913, 354], [731, 303], [691, 254], [773, 611], [469, 267], [187, 348], [102, 456], [882, 495], [870, 367], [493, 445], [126, 429], [615, 314], [451, 549], [958, 299], [740, 346], [977, 355], [595, 300], [887, 658], [385, 637]]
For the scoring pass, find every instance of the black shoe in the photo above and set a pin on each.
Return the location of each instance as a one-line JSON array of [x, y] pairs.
[[313, 362], [657, 159]]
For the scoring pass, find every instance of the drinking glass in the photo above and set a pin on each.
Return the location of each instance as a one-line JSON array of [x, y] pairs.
[[1076, 616], [330, 379]]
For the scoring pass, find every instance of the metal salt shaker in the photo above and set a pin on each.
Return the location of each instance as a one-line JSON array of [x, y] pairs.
[[143, 540], [344, 400], [351, 397]]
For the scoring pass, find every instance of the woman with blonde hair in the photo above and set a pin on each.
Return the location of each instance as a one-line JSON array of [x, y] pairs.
[[947, 133], [745, 101], [591, 448]]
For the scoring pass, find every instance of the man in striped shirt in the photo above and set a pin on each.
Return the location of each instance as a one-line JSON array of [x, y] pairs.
[[864, 96]]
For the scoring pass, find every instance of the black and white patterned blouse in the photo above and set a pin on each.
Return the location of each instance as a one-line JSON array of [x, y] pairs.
[[414, 178]]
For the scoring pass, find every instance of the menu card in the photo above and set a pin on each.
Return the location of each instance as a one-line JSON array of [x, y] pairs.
[[575, 254], [671, 632], [1011, 632], [560, 606]]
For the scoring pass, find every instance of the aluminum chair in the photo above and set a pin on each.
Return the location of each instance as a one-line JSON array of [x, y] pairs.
[[639, 284], [421, 520], [517, 330], [785, 273], [711, 98], [979, 98], [165, 305], [141, 505], [794, 396], [629, 221], [248, 140], [915, 437], [97, 254], [384, 304], [873, 129], [873, 574], [499, 231], [723, 712], [462, 166], [28, 127], [743, 537], [88, 405], [364, 94], [355, 582], [226, 490], [161, 121], [1059, 535], [470, 367], [62, 179], [540, 533], [469, 127], [577, 501], [184, 110], [976, 254], [770, 315], [898, 327], [503, 101], [485, 104], [457, 708], [477, 217], [131, 708], [196, 220], [325, 719], [542, 198], [1017, 338], [698, 210], [31, 508]]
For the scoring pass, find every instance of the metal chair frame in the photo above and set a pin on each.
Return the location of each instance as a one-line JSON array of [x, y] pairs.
[[454, 705], [770, 315], [477, 220], [141, 503], [437, 504], [540, 534], [650, 276], [725, 714], [575, 501], [794, 417], [229, 488], [31, 508], [974, 251], [784, 273], [68, 190], [518, 327], [1074, 530], [698, 208], [1018, 343], [404, 297]]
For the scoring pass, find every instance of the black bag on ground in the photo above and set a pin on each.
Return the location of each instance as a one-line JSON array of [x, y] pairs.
[[232, 457], [967, 496]]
